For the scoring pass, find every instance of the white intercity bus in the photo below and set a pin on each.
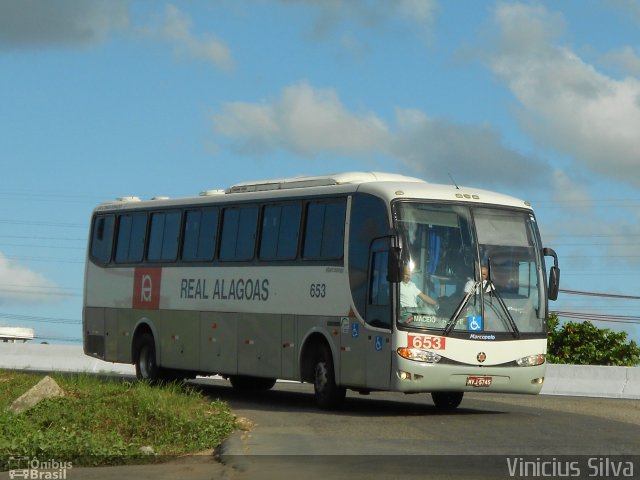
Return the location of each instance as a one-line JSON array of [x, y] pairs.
[[307, 279]]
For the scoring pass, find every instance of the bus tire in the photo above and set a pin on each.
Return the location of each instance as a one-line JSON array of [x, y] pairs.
[[145, 359], [447, 400], [328, 395], [244, 383]]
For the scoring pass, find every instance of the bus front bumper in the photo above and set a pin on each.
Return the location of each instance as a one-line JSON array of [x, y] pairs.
[[413, 377]]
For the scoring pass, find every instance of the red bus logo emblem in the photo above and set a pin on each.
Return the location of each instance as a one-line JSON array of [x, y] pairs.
[[146, 288]]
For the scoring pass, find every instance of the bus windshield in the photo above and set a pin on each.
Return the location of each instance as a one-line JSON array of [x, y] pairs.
[[471, 270]]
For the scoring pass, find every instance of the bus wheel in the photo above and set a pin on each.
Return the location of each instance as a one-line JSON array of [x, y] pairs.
[[245, 383], [447, 400], [328, 395], [146, 366]]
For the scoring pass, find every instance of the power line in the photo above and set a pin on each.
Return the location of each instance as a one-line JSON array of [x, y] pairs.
[[602, 295], [545, 204], [37, 287], [43, 259], [49, 195], [598, 317], [44, 224], [589, 273], [34, 318], [593, 257], [21, 291], [22, 245], [605, 244], [592, 305], [35, 237], [593, 235]]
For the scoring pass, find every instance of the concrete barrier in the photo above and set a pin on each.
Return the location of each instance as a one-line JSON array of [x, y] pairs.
[[575, 380], [592, 381], [56, 358]]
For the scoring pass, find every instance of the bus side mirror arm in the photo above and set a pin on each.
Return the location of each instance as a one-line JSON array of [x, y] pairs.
[[394, 265], [554, 274]]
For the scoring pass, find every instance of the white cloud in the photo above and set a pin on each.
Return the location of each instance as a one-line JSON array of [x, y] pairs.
[[313, 122], [177, 29], [472, 154], [75, 23], [18, 284], [630, 8], [419, 11], [626, 59], [332, 15], [567, 104], [570, 193], [43, 23], [302, 120], [623, 248]]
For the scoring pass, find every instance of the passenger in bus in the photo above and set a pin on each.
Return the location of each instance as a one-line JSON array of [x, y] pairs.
[[409, 293]]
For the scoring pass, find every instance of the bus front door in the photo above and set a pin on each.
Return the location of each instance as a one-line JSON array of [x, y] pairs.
[[378, 317]]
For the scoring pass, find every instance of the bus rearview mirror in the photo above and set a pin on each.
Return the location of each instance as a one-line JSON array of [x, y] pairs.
[[554, 283], [554, 274]]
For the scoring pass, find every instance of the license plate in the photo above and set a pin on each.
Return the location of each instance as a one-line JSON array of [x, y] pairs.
[[479, 381]]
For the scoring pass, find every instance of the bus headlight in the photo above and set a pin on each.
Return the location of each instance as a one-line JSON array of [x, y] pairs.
[[531, 361], [419, 355]]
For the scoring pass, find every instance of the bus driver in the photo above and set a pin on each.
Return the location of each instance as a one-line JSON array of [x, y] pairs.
[[409, 292]]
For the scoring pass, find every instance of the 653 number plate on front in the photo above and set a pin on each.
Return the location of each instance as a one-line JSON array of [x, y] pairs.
[[479, 381], [426, 342]]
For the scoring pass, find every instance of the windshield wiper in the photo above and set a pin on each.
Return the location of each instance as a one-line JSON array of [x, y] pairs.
[[463, 303], [465, 300], [512, 323], [494, 290]]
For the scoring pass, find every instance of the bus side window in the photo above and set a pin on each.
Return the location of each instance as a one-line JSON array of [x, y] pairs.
[[163, 236], [200, 233], [324, 229], [238, 237], [132, 228], [102, 238], [280, 231]]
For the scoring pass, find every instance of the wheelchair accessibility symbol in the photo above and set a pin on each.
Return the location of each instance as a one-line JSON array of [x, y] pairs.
[[354, 330], [378, 344], [475, 323]]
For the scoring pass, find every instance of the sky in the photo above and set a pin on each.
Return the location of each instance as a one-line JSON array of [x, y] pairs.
[[102, 99]]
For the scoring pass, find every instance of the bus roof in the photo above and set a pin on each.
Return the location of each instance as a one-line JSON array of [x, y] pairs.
[[384, 185], [321, 180]]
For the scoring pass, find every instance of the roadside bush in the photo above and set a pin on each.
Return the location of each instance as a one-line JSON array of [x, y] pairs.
[[584, 344]]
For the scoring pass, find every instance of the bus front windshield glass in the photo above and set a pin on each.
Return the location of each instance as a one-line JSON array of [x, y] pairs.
[[472, 270]]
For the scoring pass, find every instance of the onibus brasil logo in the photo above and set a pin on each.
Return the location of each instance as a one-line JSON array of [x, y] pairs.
[[34, 468]]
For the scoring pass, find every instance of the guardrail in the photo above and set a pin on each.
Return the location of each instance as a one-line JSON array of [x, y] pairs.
[[572, 380]]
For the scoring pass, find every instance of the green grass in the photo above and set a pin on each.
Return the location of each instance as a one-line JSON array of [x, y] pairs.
[[106, 422]]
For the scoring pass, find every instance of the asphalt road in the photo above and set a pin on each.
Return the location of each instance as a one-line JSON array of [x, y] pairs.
[[391, 435]]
